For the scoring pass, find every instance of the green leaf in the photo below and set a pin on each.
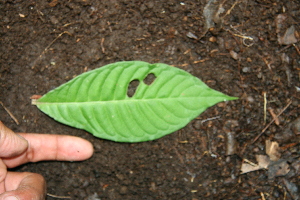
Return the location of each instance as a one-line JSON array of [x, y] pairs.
[[130, 101]]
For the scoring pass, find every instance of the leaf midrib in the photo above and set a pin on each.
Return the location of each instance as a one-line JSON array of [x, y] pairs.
[[127, 100]]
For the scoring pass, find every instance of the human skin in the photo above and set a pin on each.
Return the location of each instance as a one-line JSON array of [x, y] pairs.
[[17, 149]]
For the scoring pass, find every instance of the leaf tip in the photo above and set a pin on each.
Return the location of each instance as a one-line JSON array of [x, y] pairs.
[[230, 98]]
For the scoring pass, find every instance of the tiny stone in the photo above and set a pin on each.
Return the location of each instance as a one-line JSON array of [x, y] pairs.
[[246, 69], [234, 55], [212, 39]]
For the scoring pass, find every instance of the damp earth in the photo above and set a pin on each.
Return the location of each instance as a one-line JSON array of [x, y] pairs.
[[247, 49]]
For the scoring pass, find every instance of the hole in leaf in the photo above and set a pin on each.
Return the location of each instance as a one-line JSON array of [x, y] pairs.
[[133, 85], [149, 79]]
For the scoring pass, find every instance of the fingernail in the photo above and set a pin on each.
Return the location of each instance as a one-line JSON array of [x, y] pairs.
[[11, 198]]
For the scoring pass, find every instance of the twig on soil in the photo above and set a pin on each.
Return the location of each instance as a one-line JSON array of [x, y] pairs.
[[265, 107], [288, 46], [232, 7], [284, 48], [262, 196], [60, 197], [102, 46], [46, 49], [249, 162], [10, 113], [241, 35], [209, 119], [277, 122], [268, 63], [201, 61], [297, 49], [289, 103]]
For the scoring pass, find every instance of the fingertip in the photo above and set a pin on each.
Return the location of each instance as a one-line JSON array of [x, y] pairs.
[[89, 149], [78, 149], [56, 147]]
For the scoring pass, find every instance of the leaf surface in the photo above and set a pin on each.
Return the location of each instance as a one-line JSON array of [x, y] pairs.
[[98, 101]]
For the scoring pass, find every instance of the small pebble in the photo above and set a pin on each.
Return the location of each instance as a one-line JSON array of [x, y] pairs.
[[234, 55], [246, 69], [212, 39]]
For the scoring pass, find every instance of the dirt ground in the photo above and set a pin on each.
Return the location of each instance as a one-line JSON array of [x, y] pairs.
[[248, 49]]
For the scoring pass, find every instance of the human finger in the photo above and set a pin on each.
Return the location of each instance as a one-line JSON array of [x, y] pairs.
[[3, 172], [24, 186], [52, 147], [11, 144]]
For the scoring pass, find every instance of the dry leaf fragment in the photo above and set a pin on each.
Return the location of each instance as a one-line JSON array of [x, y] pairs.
[[272, 150], [267, 161], [246, 167], [289, 36], [285, 29], [280, 21], [263, 163], [272, 162], [278, 168], [211, 13]]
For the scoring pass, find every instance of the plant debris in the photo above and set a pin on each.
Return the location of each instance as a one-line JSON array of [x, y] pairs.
[[271, 162], [272, 150], [211, 13], [248, 166], [231, 143], [286, 34], [10, 113]]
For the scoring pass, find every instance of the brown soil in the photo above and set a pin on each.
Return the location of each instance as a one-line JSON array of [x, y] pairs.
[[46, 43]]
